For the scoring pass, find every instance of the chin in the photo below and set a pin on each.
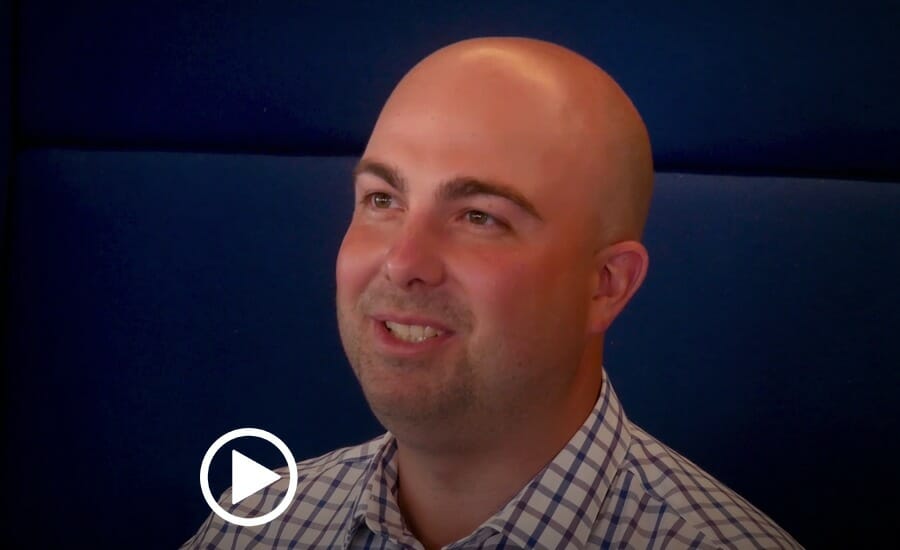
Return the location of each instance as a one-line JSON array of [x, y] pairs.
[[398, 400]]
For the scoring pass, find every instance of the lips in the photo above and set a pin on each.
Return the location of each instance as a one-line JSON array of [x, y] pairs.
[[412, 333], [407, 335]]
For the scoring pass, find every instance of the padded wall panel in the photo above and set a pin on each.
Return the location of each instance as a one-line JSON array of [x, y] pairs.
[[162, 299], [6, 118], [763, 345], [158, 301], [751, 87]]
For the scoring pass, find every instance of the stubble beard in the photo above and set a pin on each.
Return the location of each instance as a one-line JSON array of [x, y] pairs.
[[415, 399]]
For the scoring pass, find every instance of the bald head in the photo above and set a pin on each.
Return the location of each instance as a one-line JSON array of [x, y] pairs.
[[494, 240], [548, 110]]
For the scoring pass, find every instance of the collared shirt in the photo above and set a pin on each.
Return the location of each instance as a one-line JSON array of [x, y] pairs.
[[612, 486]]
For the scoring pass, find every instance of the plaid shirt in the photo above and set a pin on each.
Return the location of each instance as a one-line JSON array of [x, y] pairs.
[[612, 486]]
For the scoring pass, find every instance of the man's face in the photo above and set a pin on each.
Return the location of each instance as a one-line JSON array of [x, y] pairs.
[[467, 223]]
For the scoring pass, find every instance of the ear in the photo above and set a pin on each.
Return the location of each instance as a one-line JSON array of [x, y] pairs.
[[620, 271]]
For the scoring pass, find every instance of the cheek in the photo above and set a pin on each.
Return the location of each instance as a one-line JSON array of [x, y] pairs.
[[500, 290], [358, 262], [531, 296]]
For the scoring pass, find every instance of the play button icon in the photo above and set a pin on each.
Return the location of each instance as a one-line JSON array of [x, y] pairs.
[[248, 477]]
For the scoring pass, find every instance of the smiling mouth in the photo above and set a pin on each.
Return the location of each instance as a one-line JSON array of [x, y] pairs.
[[412, 333]]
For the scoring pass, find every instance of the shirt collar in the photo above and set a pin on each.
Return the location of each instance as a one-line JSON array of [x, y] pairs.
[[575, 483]]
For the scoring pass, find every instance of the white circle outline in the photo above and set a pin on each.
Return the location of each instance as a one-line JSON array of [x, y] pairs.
[[204, 476]]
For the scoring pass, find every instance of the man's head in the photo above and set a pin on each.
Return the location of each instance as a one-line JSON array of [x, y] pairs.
[[499, 202]]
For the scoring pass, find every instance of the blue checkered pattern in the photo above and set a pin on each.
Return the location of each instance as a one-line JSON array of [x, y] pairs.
[[612, 486]]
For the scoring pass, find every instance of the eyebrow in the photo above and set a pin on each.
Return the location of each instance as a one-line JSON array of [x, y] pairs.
[[453, 189]]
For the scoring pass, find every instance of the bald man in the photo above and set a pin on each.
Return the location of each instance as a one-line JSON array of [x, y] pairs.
[[500, 203]]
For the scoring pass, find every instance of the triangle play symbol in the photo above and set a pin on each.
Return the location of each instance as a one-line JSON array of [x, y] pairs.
[[248, 477]]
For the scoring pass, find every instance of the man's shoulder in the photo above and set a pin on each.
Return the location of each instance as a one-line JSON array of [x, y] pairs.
[[688, 505], [342, 469], [345, 465], [327, 489], [356, 456]]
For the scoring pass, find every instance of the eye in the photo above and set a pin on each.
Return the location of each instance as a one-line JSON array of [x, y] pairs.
[[478, 217], [381, 201]]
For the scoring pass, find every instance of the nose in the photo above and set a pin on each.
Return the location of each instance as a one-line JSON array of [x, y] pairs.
[[415, 257]]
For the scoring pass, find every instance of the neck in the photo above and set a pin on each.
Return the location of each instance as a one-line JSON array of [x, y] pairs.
[[446, 496]]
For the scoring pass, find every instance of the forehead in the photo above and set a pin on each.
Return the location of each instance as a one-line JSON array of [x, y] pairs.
[[479, 126]]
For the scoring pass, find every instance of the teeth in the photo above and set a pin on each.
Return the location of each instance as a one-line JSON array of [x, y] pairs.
[[411, 333]]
